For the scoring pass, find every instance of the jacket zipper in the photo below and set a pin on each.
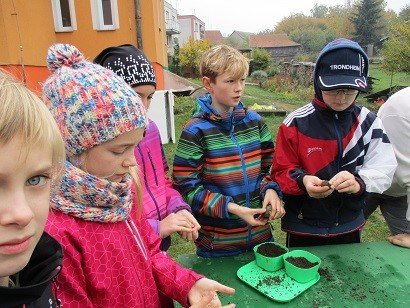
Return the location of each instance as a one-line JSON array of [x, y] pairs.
[[245, 177], [339, 158], [146, 180], [137, 237], [153, 167]]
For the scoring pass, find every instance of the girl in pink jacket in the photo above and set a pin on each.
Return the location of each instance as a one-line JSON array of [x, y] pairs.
[[111, 256], [164, 207]]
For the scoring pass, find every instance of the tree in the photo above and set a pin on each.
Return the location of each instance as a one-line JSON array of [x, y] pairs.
[[312, 40], [190, 54], [396, 50], [260, 59], [266, 31], [259, 76], [404, 14], [175, 65], [368, 27], [319, 11]]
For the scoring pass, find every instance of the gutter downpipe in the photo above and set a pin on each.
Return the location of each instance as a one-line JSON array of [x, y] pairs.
[[138, 24]]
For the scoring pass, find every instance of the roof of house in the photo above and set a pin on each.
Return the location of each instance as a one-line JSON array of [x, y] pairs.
[[214, 36], [271, 40], [242, 34]]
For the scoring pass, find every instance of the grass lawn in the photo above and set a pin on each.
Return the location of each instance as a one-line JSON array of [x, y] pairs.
[[375, 229], [386, 80]]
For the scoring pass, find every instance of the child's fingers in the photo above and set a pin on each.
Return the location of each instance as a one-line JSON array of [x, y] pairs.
[[219, 287], [206, 299], [191, 219]]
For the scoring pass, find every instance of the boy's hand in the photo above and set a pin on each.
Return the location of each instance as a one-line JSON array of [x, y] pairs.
[[345, 182], [248, 215], [315, 188], [272, 198]]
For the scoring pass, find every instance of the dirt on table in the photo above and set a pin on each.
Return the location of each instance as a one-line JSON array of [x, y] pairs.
[[269, 281], [270, 250], [325, 273], [301, 262]]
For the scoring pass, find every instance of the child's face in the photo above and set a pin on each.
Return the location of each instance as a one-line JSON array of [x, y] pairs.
[[226, 92], [339, 99], [145, 92], [112, 159], [25, 182]]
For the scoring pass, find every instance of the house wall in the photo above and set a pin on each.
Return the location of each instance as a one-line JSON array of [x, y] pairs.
[[191, 27], [171, 22], [238, 40], [27, 31], [283, 53], [185, 25]]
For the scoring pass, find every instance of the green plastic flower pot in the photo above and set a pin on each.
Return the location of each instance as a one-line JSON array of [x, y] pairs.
[[301, 275], [268, 263]]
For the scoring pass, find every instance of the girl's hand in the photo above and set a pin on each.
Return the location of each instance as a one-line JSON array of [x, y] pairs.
[[178, 222], [204, 293], [272, 198]]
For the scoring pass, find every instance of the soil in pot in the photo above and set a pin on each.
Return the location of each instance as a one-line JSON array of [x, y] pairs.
[[270, 250], [301, 262]]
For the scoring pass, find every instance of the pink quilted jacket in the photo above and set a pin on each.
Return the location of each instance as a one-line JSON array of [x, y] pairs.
[[115, 264]]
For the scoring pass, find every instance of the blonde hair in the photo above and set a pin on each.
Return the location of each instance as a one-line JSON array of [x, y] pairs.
[[23, 114], [222, 58]]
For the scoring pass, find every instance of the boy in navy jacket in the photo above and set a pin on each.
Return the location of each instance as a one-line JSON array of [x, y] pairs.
[[330, 152]]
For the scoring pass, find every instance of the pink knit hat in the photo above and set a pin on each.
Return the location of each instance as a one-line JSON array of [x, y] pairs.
[[90, 103]]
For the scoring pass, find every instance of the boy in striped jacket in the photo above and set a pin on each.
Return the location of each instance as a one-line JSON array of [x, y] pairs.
[[222, 162]]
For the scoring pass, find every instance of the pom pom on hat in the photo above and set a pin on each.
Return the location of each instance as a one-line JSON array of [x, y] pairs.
[[90, 103], [64, 55]]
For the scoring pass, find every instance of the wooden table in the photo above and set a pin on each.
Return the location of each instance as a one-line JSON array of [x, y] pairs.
[[353, 275]]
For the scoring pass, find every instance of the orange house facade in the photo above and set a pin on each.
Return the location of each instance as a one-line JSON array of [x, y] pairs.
[[29, 28]]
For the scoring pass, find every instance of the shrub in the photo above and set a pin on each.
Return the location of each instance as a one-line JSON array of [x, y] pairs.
[[259, 76]]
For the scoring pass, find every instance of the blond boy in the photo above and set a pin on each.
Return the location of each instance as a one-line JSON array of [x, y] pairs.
[[31, 155], [222, 161]]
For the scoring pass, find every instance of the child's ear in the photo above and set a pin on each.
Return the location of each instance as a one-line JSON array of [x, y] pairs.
[[206, 81]]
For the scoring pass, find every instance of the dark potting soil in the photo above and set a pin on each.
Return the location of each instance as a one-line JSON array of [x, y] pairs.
[[301, 262], [324, 272], [269, 281], [270, 250]]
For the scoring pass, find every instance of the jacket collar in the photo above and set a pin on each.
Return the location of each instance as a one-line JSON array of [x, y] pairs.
[[205, 110], [35, 277]]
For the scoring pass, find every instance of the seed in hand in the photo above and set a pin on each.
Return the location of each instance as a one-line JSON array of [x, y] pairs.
[[268, 211], [325, 183]]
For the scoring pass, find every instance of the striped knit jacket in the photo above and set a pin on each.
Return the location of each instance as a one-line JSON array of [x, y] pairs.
[[317, 140], [221, 159]]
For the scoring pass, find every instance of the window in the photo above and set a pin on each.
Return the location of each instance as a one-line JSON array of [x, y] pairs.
[[105, 14], [64, 15]]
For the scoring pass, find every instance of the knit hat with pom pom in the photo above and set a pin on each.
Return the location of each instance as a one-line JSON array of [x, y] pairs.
[[90, 103]]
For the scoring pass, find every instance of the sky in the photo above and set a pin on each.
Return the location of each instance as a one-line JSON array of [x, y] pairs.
[[254, 15]]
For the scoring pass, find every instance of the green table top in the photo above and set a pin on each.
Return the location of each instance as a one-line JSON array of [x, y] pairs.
[[353, 275]]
